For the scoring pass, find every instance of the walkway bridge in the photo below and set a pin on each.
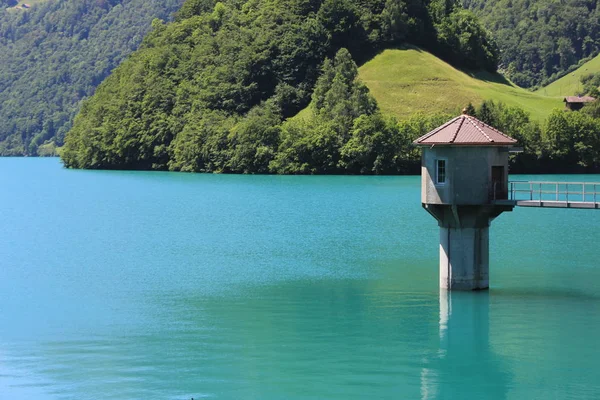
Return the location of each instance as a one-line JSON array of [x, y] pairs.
[[549, 194]]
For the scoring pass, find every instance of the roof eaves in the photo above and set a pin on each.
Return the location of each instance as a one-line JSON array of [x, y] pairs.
[[482, 144]]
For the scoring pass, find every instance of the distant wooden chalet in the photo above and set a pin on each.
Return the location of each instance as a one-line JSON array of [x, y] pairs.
[[575, 103]]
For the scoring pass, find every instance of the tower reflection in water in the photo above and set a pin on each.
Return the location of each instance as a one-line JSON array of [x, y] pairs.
[[465, 367]]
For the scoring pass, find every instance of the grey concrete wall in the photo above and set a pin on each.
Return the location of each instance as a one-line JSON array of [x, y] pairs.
[[468, 173], [464, 258], [464, 243]]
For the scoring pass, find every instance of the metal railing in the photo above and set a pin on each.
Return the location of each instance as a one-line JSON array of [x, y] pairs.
[[497, 192], [567, 192]]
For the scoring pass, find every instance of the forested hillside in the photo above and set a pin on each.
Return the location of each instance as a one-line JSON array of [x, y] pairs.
[[540, 39], [209, 92], [55, 54]]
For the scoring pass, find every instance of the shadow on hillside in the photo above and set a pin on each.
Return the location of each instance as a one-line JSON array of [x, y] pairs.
[[487, 76], [368, 55], [481, 75]]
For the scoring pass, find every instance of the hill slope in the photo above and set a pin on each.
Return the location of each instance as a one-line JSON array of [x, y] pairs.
[[207, 92], [407, 81], [570, 84]]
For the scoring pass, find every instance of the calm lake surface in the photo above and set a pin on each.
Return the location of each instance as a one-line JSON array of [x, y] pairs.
[[136, 285]]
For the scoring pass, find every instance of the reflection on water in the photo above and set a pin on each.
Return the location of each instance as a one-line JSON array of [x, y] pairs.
[[465, 365], [322, 339]]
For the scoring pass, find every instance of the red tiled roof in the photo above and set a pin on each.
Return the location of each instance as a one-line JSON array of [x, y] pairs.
[[577, 99], [465, 130]]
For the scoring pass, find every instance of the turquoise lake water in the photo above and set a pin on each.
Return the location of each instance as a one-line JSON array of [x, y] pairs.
[[138, 285]]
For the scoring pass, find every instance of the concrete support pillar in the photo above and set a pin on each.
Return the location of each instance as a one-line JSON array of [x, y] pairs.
[[464, 258], [465, 244]]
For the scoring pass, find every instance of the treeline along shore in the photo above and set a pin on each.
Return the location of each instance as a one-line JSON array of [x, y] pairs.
[[266, 86]]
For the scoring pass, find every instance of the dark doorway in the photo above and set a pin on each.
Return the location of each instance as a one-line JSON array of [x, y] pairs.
[[499, 191]]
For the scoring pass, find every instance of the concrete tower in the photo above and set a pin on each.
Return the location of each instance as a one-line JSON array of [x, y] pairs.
[[464, 170]]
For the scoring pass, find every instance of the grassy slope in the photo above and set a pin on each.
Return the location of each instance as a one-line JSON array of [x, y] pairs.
[[570, 84], [411, 80]]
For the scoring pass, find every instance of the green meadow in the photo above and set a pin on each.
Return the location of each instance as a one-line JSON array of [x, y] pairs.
[[411, 80]]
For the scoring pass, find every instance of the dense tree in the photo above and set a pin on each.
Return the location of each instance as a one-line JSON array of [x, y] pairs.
[[462, 36], [346, 133], [592, 109], [540, 40], [202, 146], [591, 83], [338, 100], [254, 141], [54, 55], [566, 142], [572, 139]]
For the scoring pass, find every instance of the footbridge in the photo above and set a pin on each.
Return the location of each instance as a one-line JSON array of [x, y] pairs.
[[549, 194]]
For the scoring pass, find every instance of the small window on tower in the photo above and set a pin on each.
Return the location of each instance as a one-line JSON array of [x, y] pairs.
[[441, 172]]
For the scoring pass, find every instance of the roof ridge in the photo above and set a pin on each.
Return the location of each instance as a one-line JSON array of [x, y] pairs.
[[436, 130], [479, 129], [458, 129]]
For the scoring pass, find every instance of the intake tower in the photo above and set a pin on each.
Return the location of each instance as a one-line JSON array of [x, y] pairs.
[[464, 171]]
